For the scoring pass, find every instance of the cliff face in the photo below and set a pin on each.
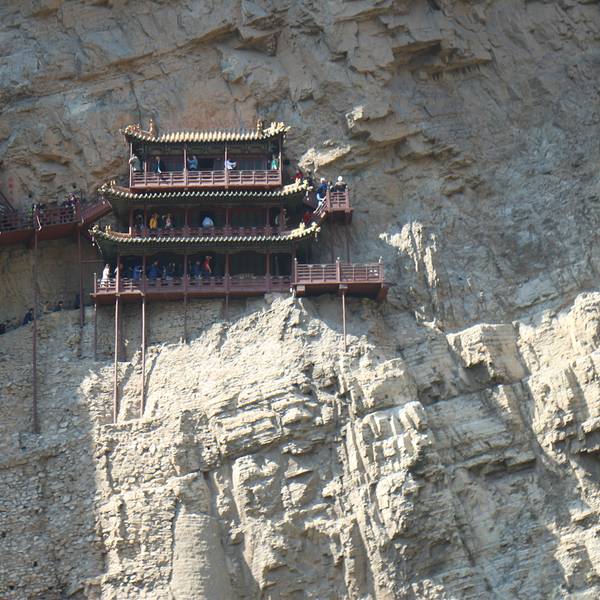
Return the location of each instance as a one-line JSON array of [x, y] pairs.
[[452, 452]]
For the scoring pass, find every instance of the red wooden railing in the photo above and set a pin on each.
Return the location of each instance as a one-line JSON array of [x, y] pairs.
[[208, 179], [333, 202], [214, 283], [54, 215], [228, 230], [336, 273]]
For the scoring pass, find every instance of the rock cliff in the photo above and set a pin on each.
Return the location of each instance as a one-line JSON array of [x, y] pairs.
[[452, 452]]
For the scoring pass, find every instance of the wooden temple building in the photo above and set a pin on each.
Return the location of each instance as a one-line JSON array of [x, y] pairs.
[[203, 214]]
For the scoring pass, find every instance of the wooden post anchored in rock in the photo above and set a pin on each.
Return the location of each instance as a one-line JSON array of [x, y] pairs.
[[143, 392], [117, 342], [344, 319], [35, 423], [81, 307]]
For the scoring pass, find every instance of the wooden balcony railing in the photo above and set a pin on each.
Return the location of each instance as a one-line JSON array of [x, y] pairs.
[[227, 230], [337, 273], [205, 179], [240, 284], [335, 202]]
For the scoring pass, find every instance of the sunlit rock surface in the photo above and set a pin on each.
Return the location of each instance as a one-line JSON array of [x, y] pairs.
[[452, 452]]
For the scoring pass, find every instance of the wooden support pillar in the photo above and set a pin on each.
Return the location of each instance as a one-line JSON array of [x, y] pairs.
[[130, 165], [344, 319], [225, 168], [145, 219], [331, 243], [143, 389], [185, 297], [268, 270], [227, 286], [280, 156], [95, 327], [281, 218], [115, 411], [186, 220], [81, 306], [35, 423]]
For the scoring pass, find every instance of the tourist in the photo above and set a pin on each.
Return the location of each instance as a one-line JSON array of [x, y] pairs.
[[307, 218], [274, 163], [322, 191], [135, 164], [154, 271], [139, 223], [206, 269], [159, 165], [59, 307], [28, 318], [46, 309], [137, 273], [153, 223], [105, 276], [229, 164], [168, 221], [171, 270], [299, 176], [207, 222], [339, 185], [193, 163], [196, 269]]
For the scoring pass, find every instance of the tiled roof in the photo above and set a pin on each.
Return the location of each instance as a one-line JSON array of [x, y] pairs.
[[112, 190], [135, 131], [124, 238]]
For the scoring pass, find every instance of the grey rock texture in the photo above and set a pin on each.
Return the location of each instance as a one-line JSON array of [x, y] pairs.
[[452, 452]]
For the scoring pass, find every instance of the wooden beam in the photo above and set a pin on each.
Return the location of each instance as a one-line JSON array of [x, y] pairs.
[[81, 307], [344, 320], [95, 326], [143, 390], [35, 423], [115, 412]]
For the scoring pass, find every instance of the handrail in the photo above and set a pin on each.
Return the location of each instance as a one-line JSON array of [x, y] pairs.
[[215, 178], [338, 272]]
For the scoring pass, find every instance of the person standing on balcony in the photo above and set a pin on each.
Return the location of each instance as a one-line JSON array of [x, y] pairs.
[[229, 165], [105, 276], [206, 268], [154, 271], [153, 222], [274, 163], [322, 191], [159, 165], [168, 221], [207, 222], [137, 273], [139, 223], [135, 163], [299, 176], [192, 163], [339, 185]]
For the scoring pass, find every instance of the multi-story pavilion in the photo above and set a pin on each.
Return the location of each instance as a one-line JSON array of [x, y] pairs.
[[207, 214]]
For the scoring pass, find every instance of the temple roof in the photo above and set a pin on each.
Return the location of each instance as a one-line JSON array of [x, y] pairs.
[[115, 237], [111, 190], [135, 132]]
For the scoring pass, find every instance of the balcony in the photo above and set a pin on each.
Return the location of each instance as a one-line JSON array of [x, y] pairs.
[[240, 286], [352, 279], [227, 230], [225, 179], [335, 206]]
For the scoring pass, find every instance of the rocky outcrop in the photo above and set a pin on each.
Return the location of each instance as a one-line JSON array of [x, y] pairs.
[[452, 451]]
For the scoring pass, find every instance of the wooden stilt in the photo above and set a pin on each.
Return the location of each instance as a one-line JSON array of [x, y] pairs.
[[344, 320], [35, 423], [185, 298], [143, 391], [95, 328], [81, 307], [116, 364]]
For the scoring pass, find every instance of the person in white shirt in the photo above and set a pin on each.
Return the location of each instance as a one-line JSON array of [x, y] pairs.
[[207, 222], [229, 164], [105, 276]]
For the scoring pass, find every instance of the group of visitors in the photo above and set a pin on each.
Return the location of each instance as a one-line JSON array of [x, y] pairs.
[[164, 222], [29, 316], [158, 165], [324, 185], [157, 270]]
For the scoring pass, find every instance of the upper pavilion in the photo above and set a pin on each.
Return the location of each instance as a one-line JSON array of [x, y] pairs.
[[204, 159]]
